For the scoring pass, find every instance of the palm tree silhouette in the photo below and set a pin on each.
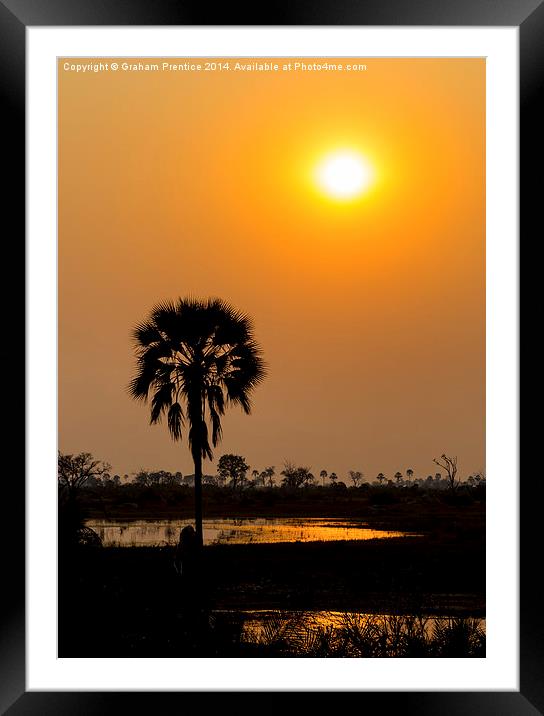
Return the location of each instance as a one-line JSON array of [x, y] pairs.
[[194, 358]]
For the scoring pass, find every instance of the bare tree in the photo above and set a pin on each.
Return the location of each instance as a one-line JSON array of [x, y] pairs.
[[449, 464], [75, 470]]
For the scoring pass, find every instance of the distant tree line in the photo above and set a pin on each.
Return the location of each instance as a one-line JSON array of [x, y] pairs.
[[83, 470]]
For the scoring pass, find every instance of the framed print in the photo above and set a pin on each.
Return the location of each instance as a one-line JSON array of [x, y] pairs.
[[271, 354]]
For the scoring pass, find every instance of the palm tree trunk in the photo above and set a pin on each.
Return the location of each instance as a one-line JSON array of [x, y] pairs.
[[198, 498]]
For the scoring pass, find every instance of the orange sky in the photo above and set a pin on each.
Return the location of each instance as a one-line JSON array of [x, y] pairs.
[[371, 313]]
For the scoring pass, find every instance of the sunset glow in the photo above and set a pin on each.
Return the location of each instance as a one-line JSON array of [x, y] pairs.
[[271, 358], [350, 224]]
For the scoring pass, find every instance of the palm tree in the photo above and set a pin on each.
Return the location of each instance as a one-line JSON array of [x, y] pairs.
[[195, 358]]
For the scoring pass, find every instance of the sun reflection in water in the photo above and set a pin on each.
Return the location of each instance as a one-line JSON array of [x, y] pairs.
[[149, 533]]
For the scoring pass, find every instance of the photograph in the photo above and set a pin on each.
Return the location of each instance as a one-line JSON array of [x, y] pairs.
[[266, 260], [271, 357]]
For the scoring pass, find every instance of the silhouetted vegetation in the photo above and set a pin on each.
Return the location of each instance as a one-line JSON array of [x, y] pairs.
[[156, 478], [132, 601], [232, 470], [173, 497], [356, 477], [296, 476], [72, 531], [365, 635], [76, 471], [450, 466], [194, 358]]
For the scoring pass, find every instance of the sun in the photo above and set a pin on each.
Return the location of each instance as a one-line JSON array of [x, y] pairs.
[[344, 175]]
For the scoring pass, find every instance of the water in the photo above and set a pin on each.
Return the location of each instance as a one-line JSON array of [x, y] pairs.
[[356, 632], [153, 533], [254, 620]]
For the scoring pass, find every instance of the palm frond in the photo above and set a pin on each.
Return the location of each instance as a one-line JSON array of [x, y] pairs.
[[237, 394], [146, 333], [230, 326], [214, 394], [149, 369], [175, 420], [195, 352], [217, 430], [161, 401]]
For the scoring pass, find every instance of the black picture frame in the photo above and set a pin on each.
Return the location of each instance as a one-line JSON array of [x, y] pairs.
[[15, 17]]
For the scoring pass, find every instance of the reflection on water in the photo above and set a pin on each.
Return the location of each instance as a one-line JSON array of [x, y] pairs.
[[356, 634], [119, 533], [256, 621]]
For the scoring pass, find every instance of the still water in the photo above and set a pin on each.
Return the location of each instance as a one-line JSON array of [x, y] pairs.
[[156, 533], [262, 625]]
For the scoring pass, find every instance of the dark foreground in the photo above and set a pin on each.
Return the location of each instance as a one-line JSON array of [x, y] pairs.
[[120, 602]]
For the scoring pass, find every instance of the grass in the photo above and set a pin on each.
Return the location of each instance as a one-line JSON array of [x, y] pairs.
[[129, 602], [368, 636]]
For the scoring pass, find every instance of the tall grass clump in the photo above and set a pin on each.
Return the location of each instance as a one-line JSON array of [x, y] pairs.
[[367, 636]]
